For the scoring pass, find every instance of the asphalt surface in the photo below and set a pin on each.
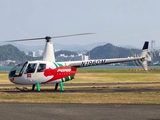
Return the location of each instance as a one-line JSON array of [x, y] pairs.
[[53, 111], [85, 87], [49, 111]]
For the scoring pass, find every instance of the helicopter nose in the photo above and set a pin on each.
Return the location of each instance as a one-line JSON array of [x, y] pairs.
[[11, 79]]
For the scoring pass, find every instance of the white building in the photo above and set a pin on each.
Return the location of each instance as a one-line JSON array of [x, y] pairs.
[[63, 57], [39, 53], [32, 53]]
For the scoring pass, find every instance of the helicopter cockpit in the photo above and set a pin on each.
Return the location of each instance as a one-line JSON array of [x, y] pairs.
[[26, 67], [17, 70]]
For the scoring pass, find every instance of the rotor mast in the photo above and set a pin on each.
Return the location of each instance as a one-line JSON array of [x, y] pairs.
[[49, 50]]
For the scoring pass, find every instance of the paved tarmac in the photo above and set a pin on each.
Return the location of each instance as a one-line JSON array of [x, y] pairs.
[[86, 87], [53, 111], [49, 111]]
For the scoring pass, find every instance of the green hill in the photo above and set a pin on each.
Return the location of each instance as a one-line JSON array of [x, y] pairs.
[[10, 52], [110, 51]]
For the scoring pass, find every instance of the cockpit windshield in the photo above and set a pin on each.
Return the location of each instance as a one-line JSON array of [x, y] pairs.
[[17, 70], [27, 67]]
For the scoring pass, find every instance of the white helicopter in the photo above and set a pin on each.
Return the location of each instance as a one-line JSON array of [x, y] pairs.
[[48, 70]]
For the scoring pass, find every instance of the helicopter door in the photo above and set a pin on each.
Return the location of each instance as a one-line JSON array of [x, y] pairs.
[[30, 71], [41, 67], [39, 73]]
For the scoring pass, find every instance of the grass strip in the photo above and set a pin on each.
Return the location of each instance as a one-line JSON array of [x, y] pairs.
[[92, 76], [62, 97]]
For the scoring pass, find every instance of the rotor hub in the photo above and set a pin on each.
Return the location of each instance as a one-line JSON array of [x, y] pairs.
[[48, 38]]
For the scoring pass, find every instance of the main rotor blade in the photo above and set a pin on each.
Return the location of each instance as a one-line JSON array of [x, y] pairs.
[[72, 35], [25, 39], [48, 37]]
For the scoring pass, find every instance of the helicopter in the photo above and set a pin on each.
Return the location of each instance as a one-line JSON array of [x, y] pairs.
[[48, 71]]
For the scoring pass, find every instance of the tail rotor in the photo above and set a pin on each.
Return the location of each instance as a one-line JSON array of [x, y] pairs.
[[144, 57]]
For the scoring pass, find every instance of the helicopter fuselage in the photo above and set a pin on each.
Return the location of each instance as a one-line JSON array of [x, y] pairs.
[[32, 72]]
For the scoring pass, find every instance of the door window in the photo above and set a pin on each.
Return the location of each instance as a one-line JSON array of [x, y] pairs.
[[41, 67], [31, 68]]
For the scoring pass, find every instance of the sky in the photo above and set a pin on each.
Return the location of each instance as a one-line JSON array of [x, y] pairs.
[[119, 22]]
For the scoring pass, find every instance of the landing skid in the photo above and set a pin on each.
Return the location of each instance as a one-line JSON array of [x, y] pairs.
[[56, 86], [33, 87]]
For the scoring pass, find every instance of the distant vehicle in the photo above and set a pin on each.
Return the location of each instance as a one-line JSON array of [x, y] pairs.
[[48, 70]]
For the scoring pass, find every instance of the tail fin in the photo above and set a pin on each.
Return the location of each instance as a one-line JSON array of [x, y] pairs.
[[144, 56]]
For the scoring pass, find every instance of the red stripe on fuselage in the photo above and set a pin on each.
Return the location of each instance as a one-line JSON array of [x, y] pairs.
[[59, 73]]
